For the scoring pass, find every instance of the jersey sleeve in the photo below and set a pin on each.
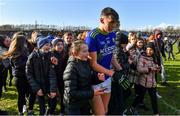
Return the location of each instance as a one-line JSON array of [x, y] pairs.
[[91, 42]]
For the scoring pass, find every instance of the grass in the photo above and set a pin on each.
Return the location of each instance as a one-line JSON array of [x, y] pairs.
[[168, 104]]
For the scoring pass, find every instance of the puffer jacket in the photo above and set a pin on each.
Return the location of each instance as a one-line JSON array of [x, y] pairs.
[[134, 56], [146, 78], [77, 83], [61, 65], [40, 72], [18, 64]]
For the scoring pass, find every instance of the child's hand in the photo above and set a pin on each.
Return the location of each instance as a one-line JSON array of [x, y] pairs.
[[130, 61], [158, 68], [40, 93], [98, 92], [154, 69], [101, 76], [54, 60], [52, 94]]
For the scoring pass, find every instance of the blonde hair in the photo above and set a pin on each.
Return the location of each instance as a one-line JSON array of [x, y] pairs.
[[83, 36], [131, 36], [76, 47], [67, 34]]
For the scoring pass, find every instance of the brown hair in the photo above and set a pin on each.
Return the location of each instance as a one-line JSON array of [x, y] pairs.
[[108, 11], [17, 46], [76, 47], [150, 38]]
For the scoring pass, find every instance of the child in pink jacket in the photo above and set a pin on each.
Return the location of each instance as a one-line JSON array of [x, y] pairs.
[[147, 69]]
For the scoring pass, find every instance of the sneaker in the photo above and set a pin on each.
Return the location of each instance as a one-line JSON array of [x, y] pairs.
[[21, 114], [133, 111], [164, 84], [24, 108], [158, 96], [125, 112], [4, 89]]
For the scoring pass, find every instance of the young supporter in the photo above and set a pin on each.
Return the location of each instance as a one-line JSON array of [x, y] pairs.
[[147, 82], [41, 75], [77, 81], [59, 53], [132, 41], [118, 94], [18, 55], [159, 53], [4, 64]]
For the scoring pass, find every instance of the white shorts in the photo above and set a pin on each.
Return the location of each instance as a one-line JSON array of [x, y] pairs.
[[104, 85]]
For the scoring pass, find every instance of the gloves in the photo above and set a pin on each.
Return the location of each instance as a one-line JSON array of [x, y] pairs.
[[122, 79]]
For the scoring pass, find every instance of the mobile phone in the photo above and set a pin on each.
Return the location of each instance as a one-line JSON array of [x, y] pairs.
[[104, 88]]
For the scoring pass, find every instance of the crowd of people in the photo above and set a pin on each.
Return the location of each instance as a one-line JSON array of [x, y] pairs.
[[93, 73]]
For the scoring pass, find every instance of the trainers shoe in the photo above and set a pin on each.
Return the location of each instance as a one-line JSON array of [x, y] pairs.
[[21, 114], [158, 96], [4, 89], [24, 108]]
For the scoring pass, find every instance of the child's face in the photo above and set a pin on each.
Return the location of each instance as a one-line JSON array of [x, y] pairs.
[[108, 23], [7, 42], [140, 44], [149, 52], [159, 36], [133, 40], [59, 47], [68, 39], [46, 48], [83, 53]]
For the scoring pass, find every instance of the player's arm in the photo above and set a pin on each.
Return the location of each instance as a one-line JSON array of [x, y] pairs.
[[97, 67], [115, 63]]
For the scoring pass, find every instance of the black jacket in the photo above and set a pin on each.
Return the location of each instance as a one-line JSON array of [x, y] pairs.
[[40, 72], [18, 65], [61, 65], [77, 83]]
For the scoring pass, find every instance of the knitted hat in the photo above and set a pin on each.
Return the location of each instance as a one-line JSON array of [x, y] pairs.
[[150, 45], [50, 37], [42, 41], [55, 41]]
